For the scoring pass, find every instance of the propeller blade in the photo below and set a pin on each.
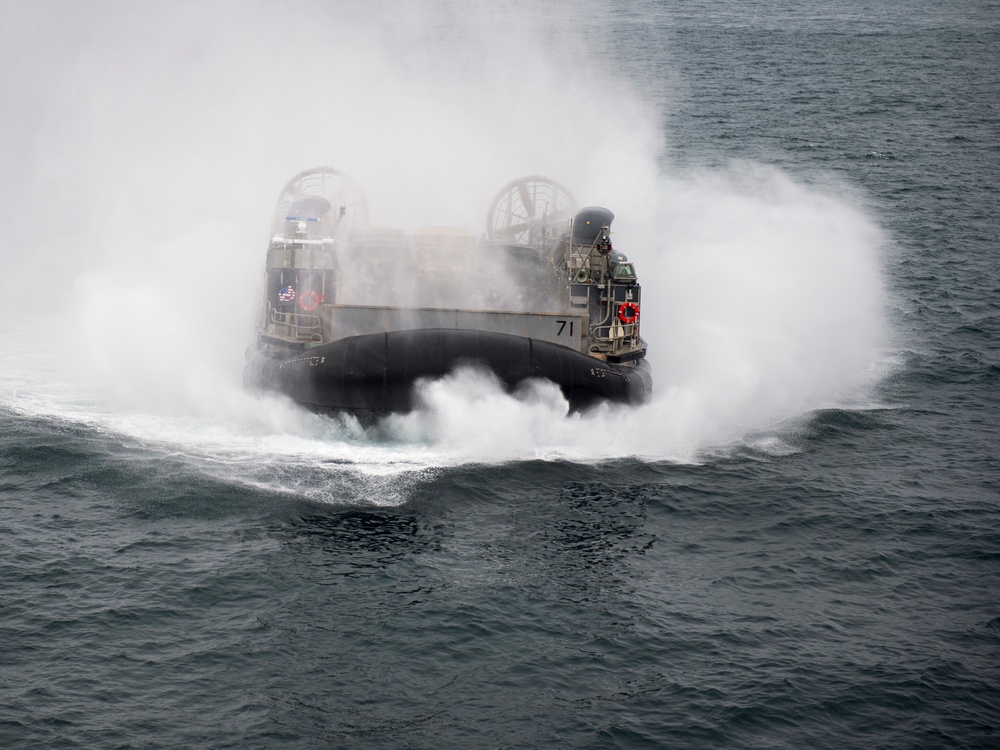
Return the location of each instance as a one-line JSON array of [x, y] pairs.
[[526, 199], [511, 231]]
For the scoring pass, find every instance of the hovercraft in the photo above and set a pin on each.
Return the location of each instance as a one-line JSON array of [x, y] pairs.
[[352, 316]]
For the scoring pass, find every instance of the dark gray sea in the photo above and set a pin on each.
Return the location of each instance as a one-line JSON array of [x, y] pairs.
[[796, 544]]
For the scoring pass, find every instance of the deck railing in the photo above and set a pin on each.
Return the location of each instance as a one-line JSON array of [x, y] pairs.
[[622, 337], [295, 326]]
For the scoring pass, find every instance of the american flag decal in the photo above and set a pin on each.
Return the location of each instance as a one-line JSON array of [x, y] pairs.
[[287, 294]]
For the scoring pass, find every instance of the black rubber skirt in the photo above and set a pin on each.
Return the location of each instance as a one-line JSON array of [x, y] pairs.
[[376, 373]]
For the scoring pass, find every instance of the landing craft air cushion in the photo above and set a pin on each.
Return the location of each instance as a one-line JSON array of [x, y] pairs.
[[352, 316]]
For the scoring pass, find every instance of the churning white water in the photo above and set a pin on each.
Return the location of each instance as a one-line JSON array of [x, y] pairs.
[[152, 143]]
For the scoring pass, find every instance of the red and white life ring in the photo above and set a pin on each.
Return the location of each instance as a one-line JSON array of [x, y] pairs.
[[628, 312], [309, 301]]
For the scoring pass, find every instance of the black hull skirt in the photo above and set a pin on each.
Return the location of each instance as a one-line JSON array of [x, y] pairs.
[[375, 373]]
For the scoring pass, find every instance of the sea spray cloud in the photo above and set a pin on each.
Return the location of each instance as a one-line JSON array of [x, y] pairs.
[[763, 301], [173, 127], [771, 300]]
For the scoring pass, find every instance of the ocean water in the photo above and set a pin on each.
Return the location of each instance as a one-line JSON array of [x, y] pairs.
[[797, 543]]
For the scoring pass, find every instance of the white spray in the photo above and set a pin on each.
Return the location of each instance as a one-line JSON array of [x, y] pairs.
[[144, 182]]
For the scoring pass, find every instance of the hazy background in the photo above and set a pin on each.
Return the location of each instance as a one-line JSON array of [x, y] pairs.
[[143, 146]]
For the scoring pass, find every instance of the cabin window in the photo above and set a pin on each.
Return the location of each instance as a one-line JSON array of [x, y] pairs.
[[624, 271], [281, 257], [303, 258]]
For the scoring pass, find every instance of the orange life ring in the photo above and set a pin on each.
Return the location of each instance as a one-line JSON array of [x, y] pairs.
[[309, 301], [628, 312]]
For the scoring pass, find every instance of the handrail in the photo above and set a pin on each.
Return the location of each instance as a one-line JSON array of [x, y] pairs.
[[294, 319], [627, 339], [299, 326]]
